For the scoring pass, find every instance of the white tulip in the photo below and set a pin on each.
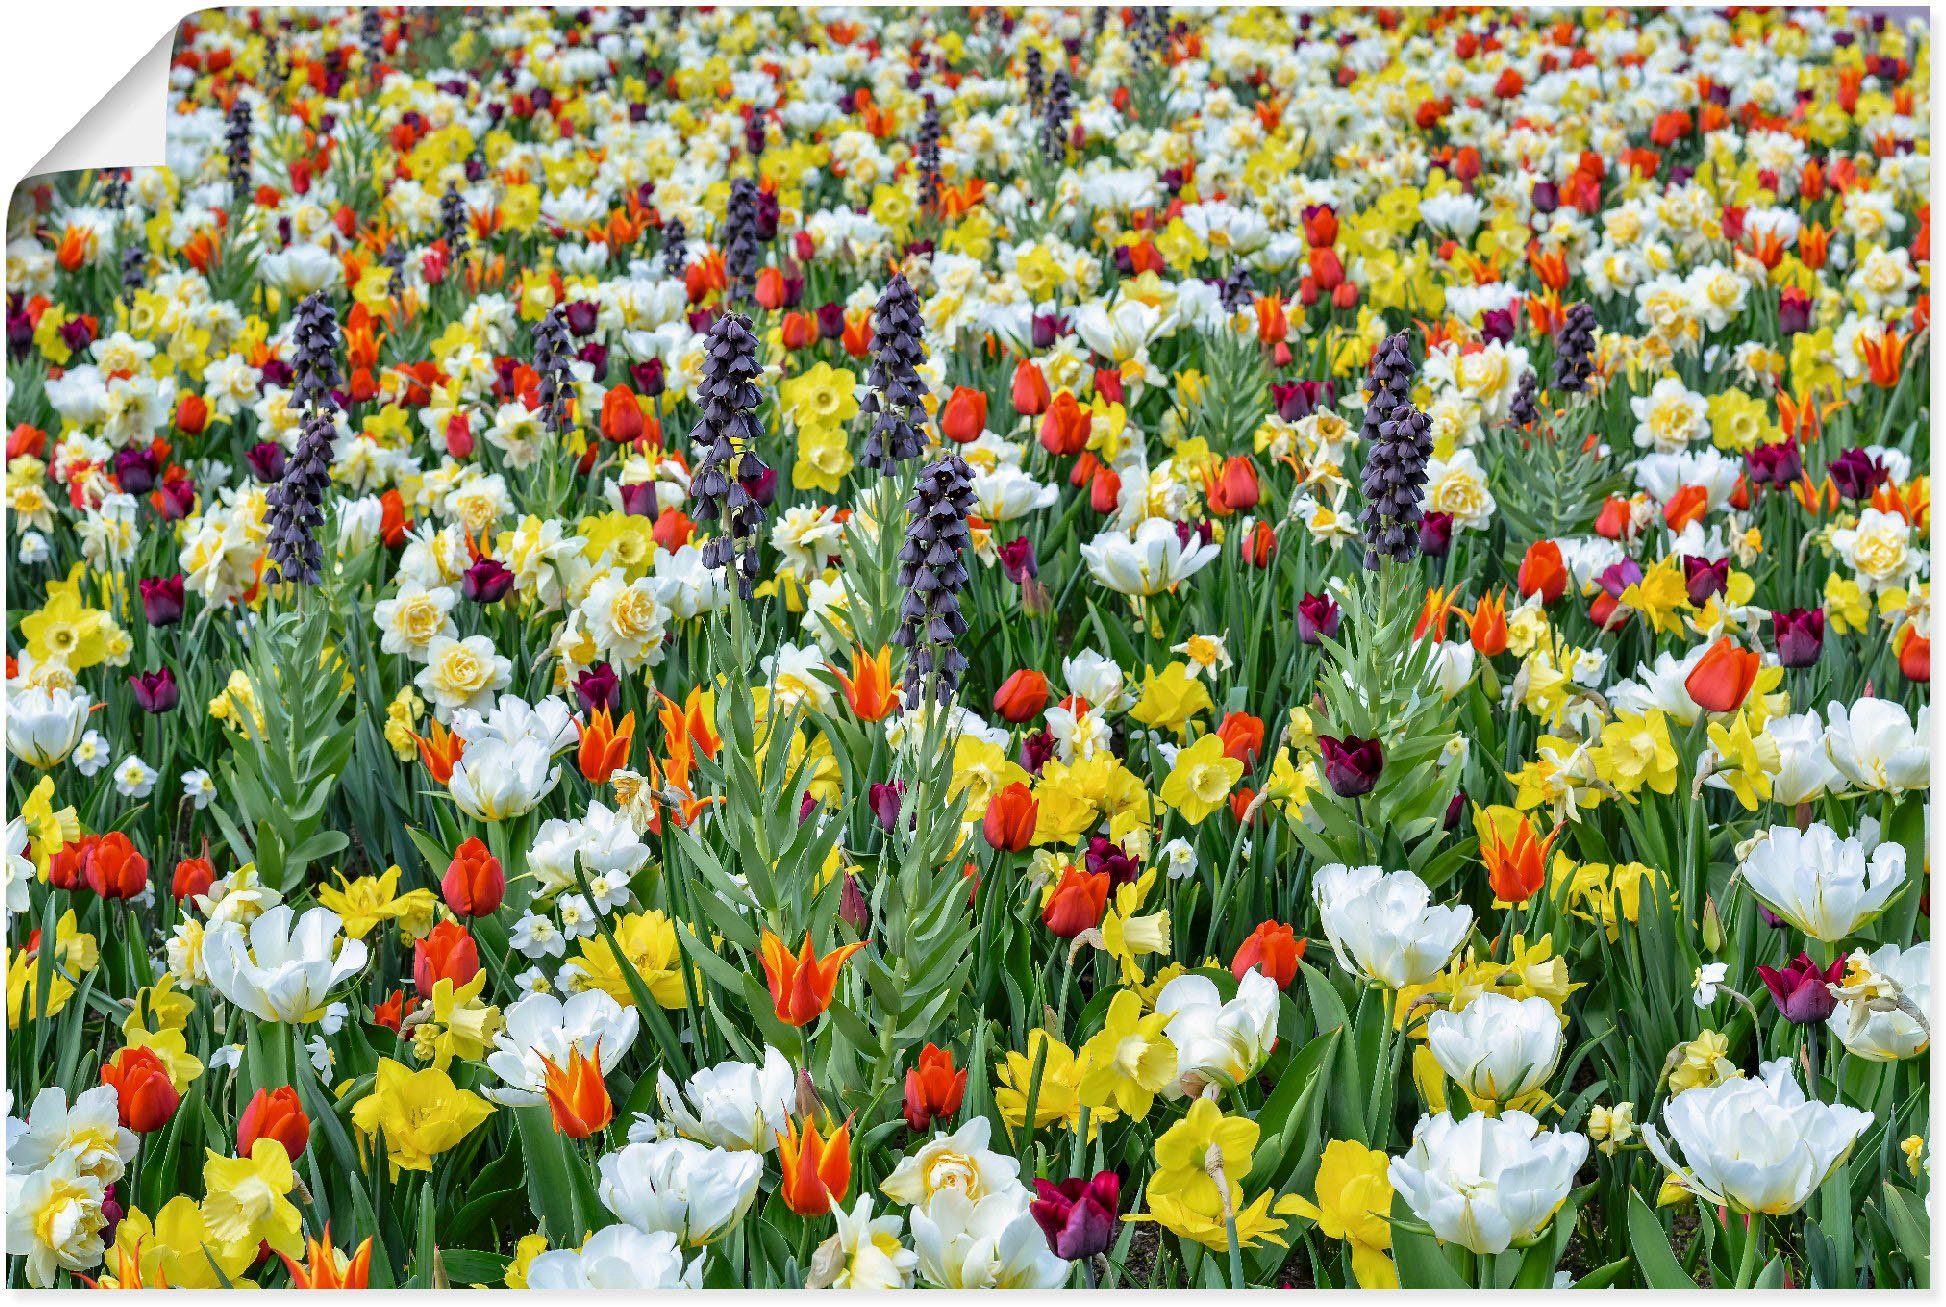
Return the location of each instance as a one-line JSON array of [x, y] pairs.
[[1497, 1048], [1825, 884], [45, 723], [1384, 926], [733, 1105], [693, 1191], [1152, 561], [542, 1026], [619, 1257], [988, 1243], [1487, 1183], [1224, 1043], [494, 779], [1755, 1146], [1869, 1020], [1804, 770], [1875, 746], [277, 969]]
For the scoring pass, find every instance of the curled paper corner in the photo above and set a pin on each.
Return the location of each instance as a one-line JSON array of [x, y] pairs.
[[127, 127]]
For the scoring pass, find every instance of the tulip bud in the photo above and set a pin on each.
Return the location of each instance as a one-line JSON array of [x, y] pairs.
[[1274, 949], [1079, 1217], [114, 869], [273, 1114], [1352, 765], [145, 1096], [933, 1089], [193, 876], [1010, 818], [1022, 696], [474, 884]]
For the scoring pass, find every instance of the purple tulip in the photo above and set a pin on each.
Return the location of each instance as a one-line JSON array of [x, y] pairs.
[[1018, 561], [161, 599], [831, 321], [1106, 855], [1352, 765], [647, 377], [1774, 465], [1803, 989], [1436, 535], [582, 316], [885, 801], [853, 910], [1705, 577], [135, 470], [1800, 635], [638, 498], [487, 581], [1856, 474], [1318, 616], [1296, 400], [1079, 1217], [155, 692], [598, 688], [1035, 750], [266, 461]]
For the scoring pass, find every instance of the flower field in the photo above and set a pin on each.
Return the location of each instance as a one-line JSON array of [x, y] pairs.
[[977, 648]]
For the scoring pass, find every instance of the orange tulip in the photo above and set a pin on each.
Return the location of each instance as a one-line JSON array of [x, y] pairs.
[[1686, 505], [1722, 679], [604, 745], [439, 751], [1021, 696], [964, 415], [1065, 426], [1010, 818], [801, 985], [870, 690], [1915, 655], [1274, 949], [1075, 903], [772, 290], [144, 1094], [799, 330], [1029, 392], [327, 1268], [1516, 861], [576, 1093], [621, 416], [1486, 625], [817, 1170], [1234, 488], [934, 1089], [1243, 737], [1543, 572]]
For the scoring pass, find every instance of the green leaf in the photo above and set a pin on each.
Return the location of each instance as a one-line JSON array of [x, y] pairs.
[[1660, 1269]]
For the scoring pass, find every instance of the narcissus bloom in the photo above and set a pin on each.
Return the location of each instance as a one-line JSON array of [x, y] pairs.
[[421, 1114]]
